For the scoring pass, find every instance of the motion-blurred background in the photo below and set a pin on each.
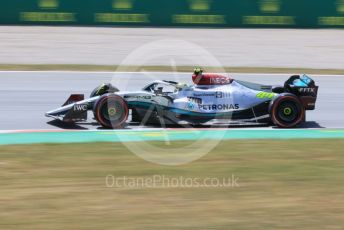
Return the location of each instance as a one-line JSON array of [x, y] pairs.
[[246, 33], [218, 13], [289, 183]]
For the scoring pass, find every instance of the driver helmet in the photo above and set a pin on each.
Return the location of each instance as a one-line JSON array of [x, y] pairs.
[[198, 71]]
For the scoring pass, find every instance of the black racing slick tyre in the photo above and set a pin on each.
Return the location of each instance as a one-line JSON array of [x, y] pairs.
[[287, 111], [111, 111]]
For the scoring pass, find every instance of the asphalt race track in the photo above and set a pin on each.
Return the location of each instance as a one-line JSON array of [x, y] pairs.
[[26, 96], [316, 49]]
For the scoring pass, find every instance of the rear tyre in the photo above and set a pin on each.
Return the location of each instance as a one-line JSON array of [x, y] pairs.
[[287, 111], [111, 111]]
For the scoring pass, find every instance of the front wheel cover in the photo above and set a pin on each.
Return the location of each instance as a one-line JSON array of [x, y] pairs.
[[287, 111], [111, 111]]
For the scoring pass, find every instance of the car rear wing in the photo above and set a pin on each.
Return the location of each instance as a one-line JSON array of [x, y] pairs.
[[304, 88]]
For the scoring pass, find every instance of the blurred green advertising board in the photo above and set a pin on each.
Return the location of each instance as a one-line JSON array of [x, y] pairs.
[[166, 13]]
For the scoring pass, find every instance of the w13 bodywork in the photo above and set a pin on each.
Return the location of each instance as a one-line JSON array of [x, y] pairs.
[[212, 100]]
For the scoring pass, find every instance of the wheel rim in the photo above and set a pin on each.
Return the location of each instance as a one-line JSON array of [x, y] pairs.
[[288, 112], [113, 111]]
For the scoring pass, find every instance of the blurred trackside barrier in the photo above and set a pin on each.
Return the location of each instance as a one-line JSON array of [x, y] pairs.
[[200, 13]]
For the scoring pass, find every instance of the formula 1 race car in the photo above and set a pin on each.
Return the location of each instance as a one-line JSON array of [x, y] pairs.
[[213, 99]]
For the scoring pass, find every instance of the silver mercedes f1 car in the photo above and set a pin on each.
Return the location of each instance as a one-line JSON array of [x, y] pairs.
[[213, 99]]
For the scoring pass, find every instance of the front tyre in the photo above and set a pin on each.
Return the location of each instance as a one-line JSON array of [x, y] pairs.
[[287, 111], [111, 111]]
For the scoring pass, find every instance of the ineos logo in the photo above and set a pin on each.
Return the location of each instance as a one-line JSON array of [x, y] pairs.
[[219, 80]]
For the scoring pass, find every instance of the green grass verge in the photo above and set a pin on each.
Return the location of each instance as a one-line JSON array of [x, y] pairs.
[[76, 67], [291, 184]]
